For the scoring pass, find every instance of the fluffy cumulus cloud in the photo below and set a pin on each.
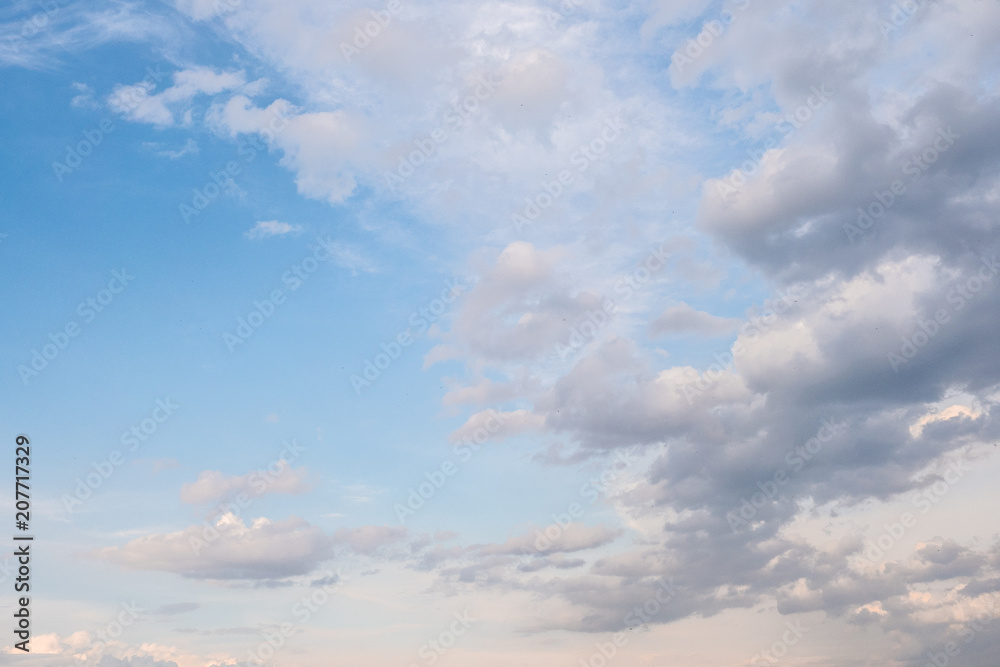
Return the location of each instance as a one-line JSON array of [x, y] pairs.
[[139, 103], [795, 430]]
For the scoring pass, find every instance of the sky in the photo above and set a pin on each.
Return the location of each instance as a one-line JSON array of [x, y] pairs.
[[515, 333]]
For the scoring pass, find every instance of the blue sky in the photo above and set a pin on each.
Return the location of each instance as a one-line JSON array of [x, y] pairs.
[[606, 266]]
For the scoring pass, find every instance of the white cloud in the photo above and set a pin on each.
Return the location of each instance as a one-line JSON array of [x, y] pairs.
[[497, 425], [190, 147], [231, 549], [213, 486], [138, 103], [351, 258], [267, 228], [370, 539], [683, 319]]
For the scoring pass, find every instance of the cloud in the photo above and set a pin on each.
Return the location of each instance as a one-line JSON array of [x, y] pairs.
[[497, 425], [176, 608], [268, 228], [318, 146], [190, 147], [43, 37], [716, 427], [231, 549], [555, 539], [685, 320], [348, 257], [212, 486], [139, 104], [368, 540], [85, 98], [521, 308]]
